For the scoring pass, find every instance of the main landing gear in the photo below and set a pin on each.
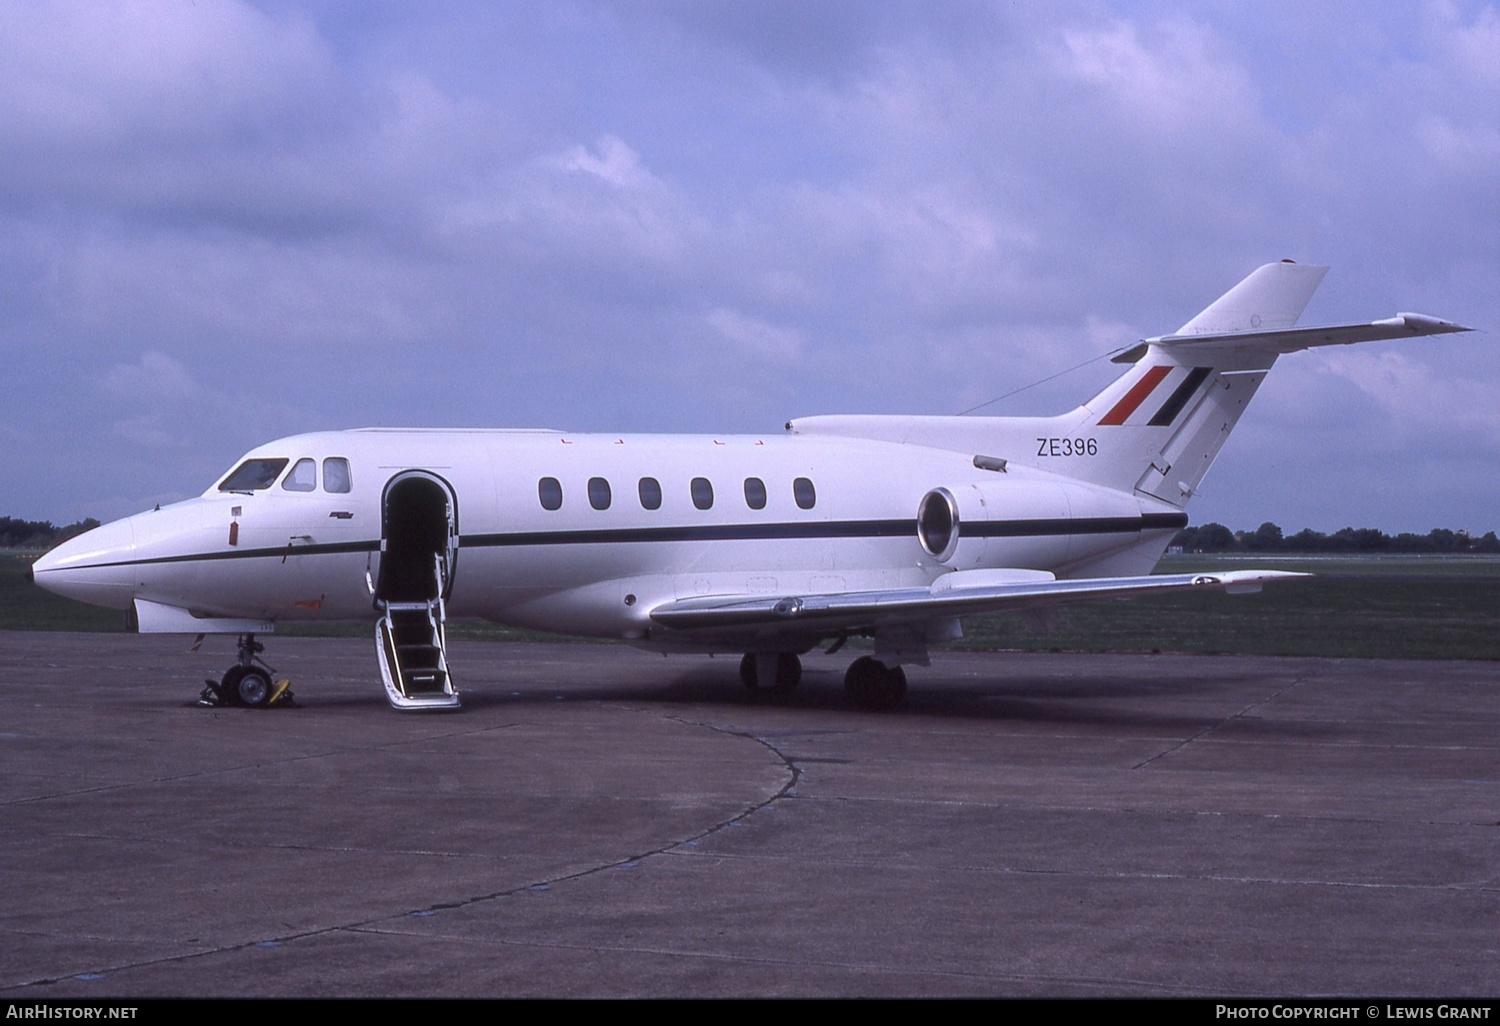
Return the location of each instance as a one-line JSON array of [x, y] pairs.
[[870, 684], [773, 673], [245, 683]]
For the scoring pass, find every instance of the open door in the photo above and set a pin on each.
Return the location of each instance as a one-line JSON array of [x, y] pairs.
[[418, 523], [418, 558]]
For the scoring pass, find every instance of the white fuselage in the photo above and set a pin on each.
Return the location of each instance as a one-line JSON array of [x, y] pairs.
[[278, 555]]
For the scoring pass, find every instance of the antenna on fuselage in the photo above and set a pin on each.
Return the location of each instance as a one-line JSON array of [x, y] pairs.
[[1094, 359]]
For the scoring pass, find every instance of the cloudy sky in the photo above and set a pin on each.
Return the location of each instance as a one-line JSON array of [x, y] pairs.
[[222, 222]]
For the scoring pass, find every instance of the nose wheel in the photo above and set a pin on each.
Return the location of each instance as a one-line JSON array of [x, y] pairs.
[[245, 683], [249, 686]]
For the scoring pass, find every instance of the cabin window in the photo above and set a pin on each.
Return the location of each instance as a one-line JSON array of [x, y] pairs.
[[804, 493], [703, 493], [755, 493], [303, 478], [650, 489], [550, 492], [336, 477], [253, 475], [598, 493]]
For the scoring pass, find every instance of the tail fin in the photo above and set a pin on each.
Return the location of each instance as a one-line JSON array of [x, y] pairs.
[[1168, 416], [1270, 299], [1273, 296], [1157, 428]]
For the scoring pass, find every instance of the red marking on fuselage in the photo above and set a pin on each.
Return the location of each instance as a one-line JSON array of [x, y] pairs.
[[1137, 395]]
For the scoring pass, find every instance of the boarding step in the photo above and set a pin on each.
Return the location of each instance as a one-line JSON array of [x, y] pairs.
[[410, 641]]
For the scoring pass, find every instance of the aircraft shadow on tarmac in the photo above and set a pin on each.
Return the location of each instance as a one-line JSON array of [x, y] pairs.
[[1101, 699]]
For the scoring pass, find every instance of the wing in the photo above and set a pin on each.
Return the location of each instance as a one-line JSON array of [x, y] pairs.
[[962, 593]]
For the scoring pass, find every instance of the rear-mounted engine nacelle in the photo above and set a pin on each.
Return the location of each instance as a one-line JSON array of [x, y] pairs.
[[941, 516], [937, 524]]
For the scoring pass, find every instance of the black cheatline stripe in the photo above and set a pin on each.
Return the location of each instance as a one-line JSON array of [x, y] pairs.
[[1163, 521], [700, 532], [1081, 525], [1179, 397], [827, 529], [279, 552], [711, 532]]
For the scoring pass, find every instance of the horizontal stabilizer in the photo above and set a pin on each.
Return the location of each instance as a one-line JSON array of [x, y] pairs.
[[962, 593], [1290, 340]]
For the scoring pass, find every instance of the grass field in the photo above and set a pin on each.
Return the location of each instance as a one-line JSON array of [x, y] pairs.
[[1382, 607], [1419, 607], [25, 607]]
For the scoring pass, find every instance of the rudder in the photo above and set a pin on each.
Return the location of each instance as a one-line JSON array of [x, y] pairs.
[[1173, 410]]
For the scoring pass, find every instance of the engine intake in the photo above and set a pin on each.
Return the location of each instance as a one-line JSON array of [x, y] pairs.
[[937, 524]]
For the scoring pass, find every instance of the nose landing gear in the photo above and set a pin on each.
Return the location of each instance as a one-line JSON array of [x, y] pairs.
[[245, 683]]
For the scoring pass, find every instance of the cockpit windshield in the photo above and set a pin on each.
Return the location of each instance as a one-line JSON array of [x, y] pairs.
[[253, 475]]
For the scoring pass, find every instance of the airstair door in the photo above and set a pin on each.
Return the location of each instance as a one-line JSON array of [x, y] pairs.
[[418, 553]]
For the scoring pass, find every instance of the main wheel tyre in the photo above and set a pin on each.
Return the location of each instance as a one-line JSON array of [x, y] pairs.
[[747, 673], [871, 684], [788, 674], [247, 686]]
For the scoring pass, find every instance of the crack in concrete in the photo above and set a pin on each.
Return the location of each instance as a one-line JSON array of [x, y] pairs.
[[1226, 720], [371, 924]]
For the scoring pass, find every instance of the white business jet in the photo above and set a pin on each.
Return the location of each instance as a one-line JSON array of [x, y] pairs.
[[888, 527]]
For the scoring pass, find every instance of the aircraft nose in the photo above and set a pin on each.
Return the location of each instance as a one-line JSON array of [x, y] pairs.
[[96, 567]]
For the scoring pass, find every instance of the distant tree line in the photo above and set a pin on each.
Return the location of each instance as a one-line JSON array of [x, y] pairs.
[[1269, 538], [38, 534]]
